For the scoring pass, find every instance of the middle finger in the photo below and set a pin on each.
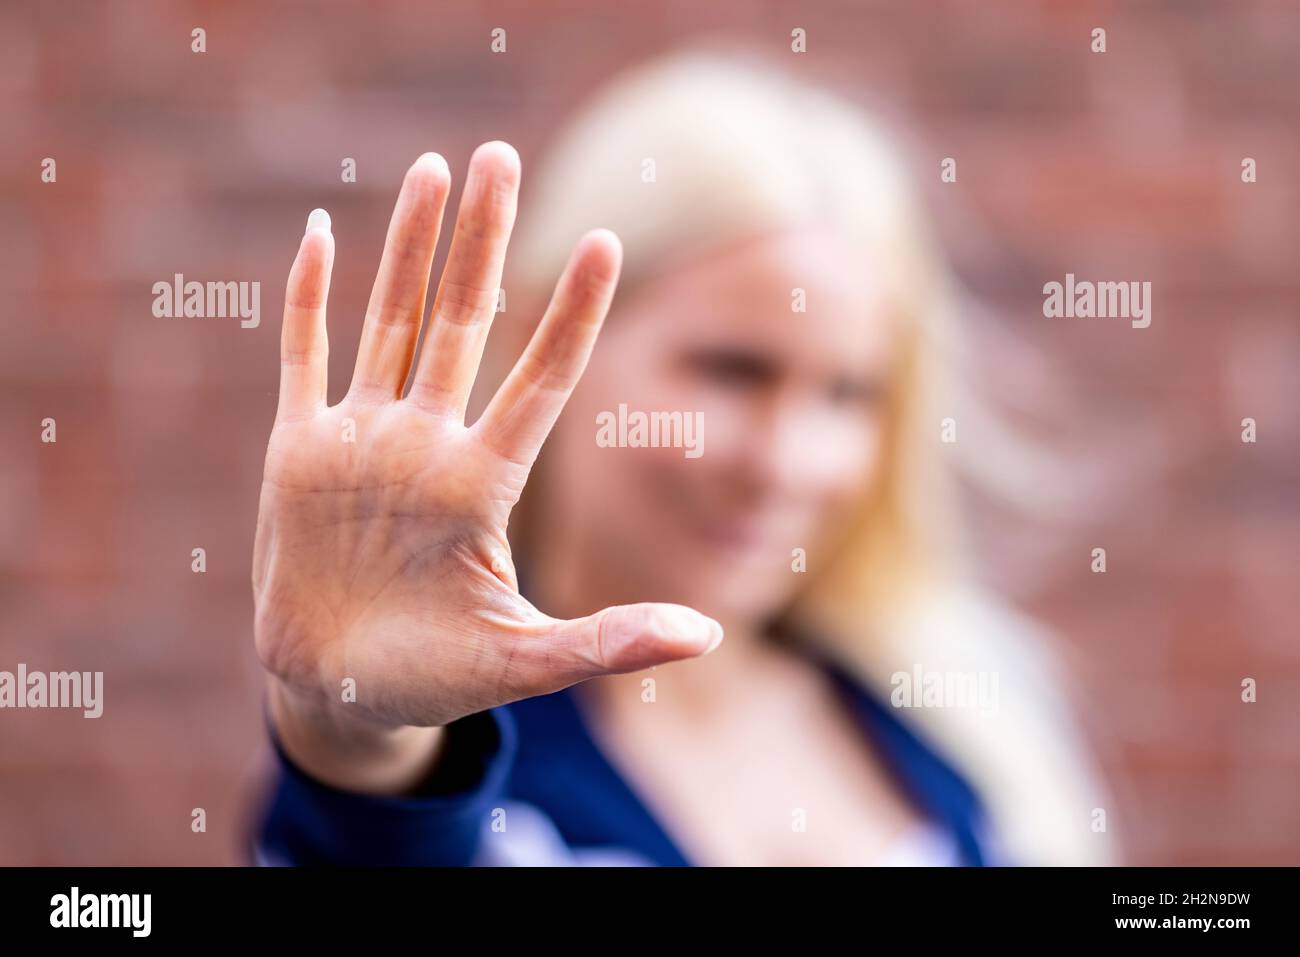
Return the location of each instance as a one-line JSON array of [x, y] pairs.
[[467, 295]]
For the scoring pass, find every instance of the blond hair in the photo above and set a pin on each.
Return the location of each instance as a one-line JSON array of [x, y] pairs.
[[698, 149]]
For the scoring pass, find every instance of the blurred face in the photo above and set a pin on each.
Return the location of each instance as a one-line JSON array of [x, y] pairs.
[[781, 414]]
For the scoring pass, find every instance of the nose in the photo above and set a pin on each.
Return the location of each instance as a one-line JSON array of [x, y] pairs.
[[780, 454]]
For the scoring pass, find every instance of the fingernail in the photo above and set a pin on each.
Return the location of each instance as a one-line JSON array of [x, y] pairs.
[[717, 637], [716, 641], [319, 219], [693, 626], [436, 158]]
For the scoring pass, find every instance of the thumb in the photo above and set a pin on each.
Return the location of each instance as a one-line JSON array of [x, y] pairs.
[[631, 637]]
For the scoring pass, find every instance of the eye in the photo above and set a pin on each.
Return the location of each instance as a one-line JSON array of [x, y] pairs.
[[859, 393], [733, 368]]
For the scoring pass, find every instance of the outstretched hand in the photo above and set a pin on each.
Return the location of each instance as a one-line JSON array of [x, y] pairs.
[[381, 553]]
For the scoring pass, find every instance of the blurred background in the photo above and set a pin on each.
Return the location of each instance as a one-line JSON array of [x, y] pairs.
[[1122, 165]]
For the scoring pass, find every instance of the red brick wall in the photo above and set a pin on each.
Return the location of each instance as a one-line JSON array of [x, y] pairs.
[[1112, 166]]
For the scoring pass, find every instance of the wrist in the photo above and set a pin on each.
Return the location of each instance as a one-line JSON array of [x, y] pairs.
[[343, 748]]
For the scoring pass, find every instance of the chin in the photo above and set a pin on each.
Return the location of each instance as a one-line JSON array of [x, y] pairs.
[[728, 593]]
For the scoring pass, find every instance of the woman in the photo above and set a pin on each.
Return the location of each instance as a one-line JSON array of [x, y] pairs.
[[441, 692]]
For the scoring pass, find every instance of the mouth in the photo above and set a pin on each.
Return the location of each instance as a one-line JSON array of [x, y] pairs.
[[747, 537]]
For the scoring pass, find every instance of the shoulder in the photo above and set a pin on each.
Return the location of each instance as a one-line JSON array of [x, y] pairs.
[[1018, 740]]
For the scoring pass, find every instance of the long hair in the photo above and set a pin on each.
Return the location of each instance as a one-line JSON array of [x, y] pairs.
[[698, 149]]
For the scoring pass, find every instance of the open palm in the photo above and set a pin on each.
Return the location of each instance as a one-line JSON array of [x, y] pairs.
[[381, 565]]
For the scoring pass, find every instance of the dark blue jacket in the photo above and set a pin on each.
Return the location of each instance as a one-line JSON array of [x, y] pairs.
[[532, 772]]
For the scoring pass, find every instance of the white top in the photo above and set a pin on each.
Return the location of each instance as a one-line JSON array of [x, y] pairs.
[[533, 840], [922, 845]]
